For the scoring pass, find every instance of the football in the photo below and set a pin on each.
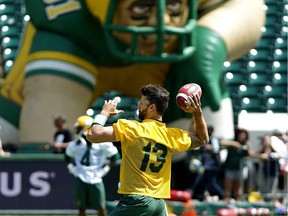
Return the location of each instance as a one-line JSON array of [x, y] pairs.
[[186, 91]]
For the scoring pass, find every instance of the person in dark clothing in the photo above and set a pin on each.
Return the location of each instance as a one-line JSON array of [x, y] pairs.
[[238, 149], [61, 137], [207, 181]]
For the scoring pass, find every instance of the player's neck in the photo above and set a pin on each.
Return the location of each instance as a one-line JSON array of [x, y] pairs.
[[157, 118]]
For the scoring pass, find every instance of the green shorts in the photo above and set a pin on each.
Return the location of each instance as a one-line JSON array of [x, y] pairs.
[[89, 195], [132, 204]]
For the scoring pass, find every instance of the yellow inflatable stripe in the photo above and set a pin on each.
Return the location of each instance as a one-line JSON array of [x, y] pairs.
[[64, 57], [13, 84]]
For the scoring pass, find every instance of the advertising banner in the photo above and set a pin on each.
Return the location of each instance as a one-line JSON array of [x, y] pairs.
[[42, 184], [35, 185]]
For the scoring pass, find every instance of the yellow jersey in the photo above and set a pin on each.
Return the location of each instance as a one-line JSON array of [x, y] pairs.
[[147, 149]]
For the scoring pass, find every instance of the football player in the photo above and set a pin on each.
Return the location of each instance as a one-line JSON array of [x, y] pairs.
[[89, 163]]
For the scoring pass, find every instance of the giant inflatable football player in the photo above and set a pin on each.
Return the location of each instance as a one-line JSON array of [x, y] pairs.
[[75, 50]]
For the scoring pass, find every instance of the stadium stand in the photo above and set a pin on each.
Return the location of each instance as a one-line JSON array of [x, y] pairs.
[[11, 26], [266, 65], [249, 91], [274, 91]]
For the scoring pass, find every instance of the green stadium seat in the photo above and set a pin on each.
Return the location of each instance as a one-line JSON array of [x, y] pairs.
[[97, 105], [281, 43], [277, 104], [233, 90], [6, 9], [249, 91], [259, 70], [279, 67], [261, 54], [280, 79], [10, 31], [260, 79], [236, 107], [259, 66], [235, 78], [10, 42], [274, 9], [271, 31], [7, 67], [280, 55], [284, 31], [252, 104], [275, 91], [9, 55], [265, 42], [9, 20], [272, 20], [236, 66]]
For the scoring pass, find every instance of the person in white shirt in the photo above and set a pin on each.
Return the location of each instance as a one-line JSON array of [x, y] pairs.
[[279, 143], [89, 162]]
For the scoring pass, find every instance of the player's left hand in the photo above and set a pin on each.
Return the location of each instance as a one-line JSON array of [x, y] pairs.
[[194, 105]]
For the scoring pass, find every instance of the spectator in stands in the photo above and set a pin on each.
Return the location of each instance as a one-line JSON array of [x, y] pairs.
[[89, 163], [279, 143], [2, 152], [270, 168], [211, 162], [238, 149], [62, 135]]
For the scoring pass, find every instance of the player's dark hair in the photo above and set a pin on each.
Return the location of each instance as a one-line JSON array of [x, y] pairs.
[[157, 95]]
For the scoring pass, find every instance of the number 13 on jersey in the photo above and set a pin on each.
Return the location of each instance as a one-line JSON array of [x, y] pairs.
[[160, 151]]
